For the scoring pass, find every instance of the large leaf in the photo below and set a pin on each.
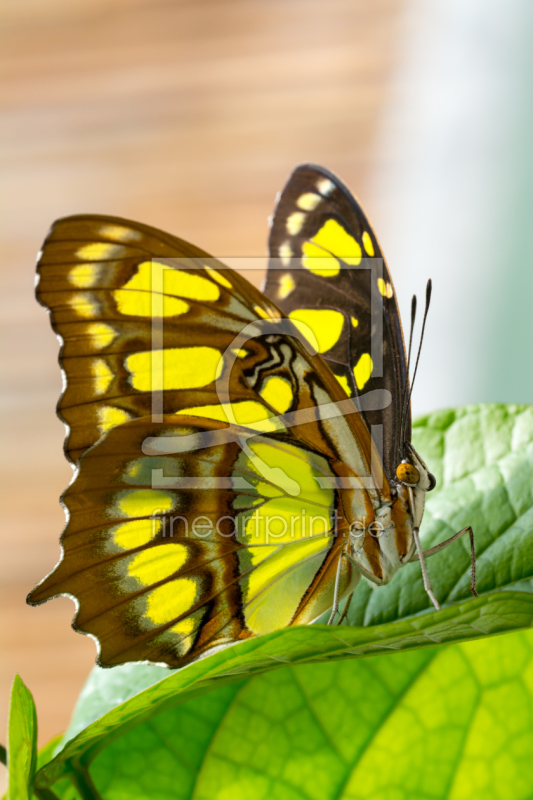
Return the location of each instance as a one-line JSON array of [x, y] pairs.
[[451, 723], [454, 723], [482, 457], [21, 742]]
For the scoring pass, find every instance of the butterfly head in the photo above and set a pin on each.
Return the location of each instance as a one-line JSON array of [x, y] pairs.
[[413, 473], [414, 480]]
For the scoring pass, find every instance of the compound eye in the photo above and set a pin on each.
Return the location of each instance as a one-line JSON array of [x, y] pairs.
[[407, 473], [432, 482]]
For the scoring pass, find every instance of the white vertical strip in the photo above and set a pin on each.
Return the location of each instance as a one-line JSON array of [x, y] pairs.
[[453, 198]]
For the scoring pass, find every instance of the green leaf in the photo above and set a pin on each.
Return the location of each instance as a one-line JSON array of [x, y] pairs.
[[453, 722], [476, 618], [482, 457], [22, 742]]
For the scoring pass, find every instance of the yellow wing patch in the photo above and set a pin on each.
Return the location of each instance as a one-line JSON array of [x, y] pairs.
[[317, 261], [363, 370], [171, 600], [385, 288], [100, 250], [245, 412], [102, 376], [260, 312], [325, 186], [343, 380], [268, 313], [83, 276], [110, 417], [334, 238], [130, 535], [367, 244], [174, 368], [146, 304], [121, 233], [177, 282], [184, 628], [334, 242], [191, 286], [85, 304], [325, 325], [274, 589], [295, 222], [219, 278], [277, 392], [285, 253], [286, 286], [158, 563], [101, 335], [308, 201], [297, 517], [144, 502]]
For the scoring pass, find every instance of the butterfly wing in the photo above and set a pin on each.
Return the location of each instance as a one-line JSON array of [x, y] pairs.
[[327, 272], [213, 553], [143, 315], [97, 276]]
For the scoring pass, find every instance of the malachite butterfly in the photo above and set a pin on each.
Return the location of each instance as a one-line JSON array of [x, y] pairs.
[[241, 458]]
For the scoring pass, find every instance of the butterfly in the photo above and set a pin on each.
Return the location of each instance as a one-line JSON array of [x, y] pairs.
[[241, 458]]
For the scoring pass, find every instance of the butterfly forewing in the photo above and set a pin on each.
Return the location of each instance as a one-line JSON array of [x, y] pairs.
[[327, 272], [98, 277]]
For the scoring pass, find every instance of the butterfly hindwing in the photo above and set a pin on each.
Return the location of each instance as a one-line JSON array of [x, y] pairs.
[[171, 554], [327, 272]]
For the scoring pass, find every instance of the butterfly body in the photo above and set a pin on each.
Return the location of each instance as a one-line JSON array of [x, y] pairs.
[[242, 458]]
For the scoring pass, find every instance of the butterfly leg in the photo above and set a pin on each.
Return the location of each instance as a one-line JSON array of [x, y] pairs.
[[425, 576], [346, 607], [438, 547], [336, 591], [362, 571]]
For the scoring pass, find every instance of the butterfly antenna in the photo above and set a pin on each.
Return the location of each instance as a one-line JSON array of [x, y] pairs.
[[403, 407], [428, 300]]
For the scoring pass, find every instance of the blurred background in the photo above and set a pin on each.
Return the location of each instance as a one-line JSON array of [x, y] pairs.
[[189, 116]]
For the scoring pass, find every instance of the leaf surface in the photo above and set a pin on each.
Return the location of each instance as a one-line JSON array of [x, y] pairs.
[[453, 722], [22, 742], [215, 728]]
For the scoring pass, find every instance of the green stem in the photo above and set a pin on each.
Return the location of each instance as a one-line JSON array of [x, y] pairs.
[[82, 781]]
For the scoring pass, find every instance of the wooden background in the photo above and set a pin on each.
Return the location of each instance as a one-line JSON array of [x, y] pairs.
[[188, 116]]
